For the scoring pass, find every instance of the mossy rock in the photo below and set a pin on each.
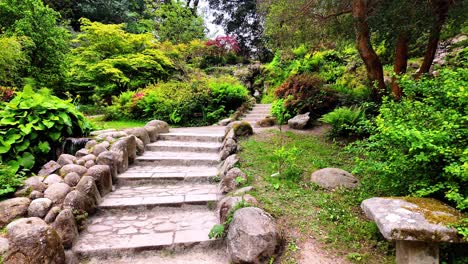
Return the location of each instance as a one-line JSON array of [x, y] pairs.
[[242, 129]]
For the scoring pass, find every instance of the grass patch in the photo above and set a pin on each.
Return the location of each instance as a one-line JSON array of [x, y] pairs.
[[99, 123], [304, 210]]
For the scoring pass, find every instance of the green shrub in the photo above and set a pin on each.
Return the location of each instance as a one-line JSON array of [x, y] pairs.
[[32, 126], [419, 146], [305, 93], [279, 111], [347, 122], [9, 180]]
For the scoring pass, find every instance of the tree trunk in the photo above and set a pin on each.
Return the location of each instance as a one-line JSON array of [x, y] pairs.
[[401, 63], [441, 8], [371, 59]]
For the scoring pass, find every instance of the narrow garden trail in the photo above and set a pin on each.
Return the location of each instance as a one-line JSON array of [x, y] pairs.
[[163, 206], [258, 112]]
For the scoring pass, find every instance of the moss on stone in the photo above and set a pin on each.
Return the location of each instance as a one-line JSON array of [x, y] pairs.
[[242, 129], [434, 211]]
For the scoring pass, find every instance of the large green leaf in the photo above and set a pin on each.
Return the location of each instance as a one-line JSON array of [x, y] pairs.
[[27, 160], [55, 135], [44, 146]]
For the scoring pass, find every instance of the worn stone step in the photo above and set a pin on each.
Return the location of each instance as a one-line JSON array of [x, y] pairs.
[[140, 175], [197, 137], [125, 197], [166, 158], [260, 116], [184, 146], [111, 233]]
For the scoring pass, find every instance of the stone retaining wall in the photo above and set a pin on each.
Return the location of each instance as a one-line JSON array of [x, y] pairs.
[[52, 207]]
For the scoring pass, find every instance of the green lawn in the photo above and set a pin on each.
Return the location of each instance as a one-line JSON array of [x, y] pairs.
[[303, 209], [120, 124]]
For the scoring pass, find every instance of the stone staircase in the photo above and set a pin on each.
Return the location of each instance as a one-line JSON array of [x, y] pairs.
[[163, 203], [258, 112]]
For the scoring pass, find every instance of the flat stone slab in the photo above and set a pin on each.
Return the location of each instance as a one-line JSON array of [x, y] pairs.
[[196, 137], [168, 158], [184, 146], [177, 173], [170, 194], [412, 219], [146, 230]]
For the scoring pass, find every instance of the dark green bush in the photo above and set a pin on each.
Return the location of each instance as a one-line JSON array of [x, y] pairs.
[[9, 180], [348, 122], [420, 143], [32, 127], [306, 93]]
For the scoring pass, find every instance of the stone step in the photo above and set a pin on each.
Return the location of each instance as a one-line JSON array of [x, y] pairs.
[[165, 158], [150, 196], [141, 175], [197, 137], [255, 116], [110, 233], [184, 146]]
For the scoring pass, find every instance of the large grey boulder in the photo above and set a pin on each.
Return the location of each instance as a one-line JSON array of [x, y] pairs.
[[87, 186], [66, 228], [57, 192], [81, 170], [161, 126], [53, 178], [78, 201], [72, 179], [229, 148], [120, 150], [230, 181], [39, 207], [90, 144], [331, 178], [252, 236], [107, 158], [32, 241], [140, 133], [49, 168], [103, 178], [152, 133], [299, 121], [228, 164], [65, 159], [13, 208]]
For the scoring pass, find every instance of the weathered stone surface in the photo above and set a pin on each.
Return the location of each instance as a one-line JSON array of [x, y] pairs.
[[65, 226], [225, 122], [35, 183], [100, 132], [241, 128], [228, 164], [226, 205], [243, 191], [81, 170], [88, 164], [65, 159], [35, 195], [120, 150], [80, 162], [13, 208], [57, 192], [331, 178], [107, 158], [52, 214], [87, 186], [103, 178], [115, 134], [72, 179], [266, 122], [252, 236], [140, 133], [140, 147], [99, 148], [71, 258], [53, 178], [82, 153], [49, 168], [398, 219], [90, 144], [4, 245], [230, 147], [131, 148], [89, 157], [39, 207], [299, 121], [32, 241], [161, 126], [152, 133], [79, 201], [230, 181]]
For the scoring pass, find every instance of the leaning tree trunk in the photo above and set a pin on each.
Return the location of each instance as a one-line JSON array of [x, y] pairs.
[[371, 59], [401, 63], [441, 8]]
